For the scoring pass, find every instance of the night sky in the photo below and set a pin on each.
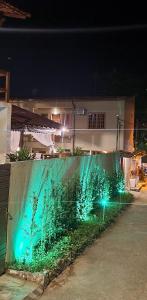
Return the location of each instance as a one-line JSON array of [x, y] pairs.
[[107, 62]]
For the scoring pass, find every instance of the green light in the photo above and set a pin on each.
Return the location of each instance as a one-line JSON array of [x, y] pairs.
[[104, 202], [121, 191], [57, 197]]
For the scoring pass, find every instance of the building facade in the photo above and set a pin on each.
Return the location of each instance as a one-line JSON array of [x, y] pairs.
[[5, 129], [94, 124]]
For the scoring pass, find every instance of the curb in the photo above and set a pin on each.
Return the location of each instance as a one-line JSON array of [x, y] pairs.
[[41, 279], [35, 294]]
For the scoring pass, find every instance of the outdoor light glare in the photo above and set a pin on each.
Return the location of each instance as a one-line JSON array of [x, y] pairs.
[[121, 191], [64, 129], [104, 202], [55, 111]]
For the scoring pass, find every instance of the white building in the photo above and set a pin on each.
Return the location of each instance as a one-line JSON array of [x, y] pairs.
[[94, 124], [5, 129]]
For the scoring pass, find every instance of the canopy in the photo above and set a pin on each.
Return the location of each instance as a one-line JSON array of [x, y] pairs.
[[43, 138], [9, 10], [23, 119]]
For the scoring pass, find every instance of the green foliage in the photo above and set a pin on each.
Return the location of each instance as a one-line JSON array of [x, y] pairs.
[[12, 157], [120, 182], [142, 145], [22, 154], [117, 184], [84, 197], [78, 151], [60, 149], [75, 241], [59, 208]]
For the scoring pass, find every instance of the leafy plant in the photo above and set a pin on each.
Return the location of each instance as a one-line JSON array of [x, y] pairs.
[[77, 151], [12, 157], [75, 241], [60, 206], [22, 154], [60, 149]]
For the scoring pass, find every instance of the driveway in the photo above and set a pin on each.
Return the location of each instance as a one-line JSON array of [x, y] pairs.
[[115, 267]]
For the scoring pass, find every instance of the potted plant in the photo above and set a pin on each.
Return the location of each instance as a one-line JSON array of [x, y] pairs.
[[133, 180], [22, 154], [78, 151], [63, 153], [60, 150], [12, 157]]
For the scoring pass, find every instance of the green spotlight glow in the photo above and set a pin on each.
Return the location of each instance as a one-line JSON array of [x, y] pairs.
[[121, 191], [104, 202], [58, 196]]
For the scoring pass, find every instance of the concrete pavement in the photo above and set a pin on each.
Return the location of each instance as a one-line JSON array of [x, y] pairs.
[[115, 267], [14, 288]]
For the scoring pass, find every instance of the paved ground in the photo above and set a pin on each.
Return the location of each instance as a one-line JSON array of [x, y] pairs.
[[115, 267], [14, 289]]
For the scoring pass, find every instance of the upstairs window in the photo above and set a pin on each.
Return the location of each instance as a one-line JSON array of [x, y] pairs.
[[96, 120]]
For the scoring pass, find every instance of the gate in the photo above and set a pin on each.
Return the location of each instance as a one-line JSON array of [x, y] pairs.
[[4, 193]]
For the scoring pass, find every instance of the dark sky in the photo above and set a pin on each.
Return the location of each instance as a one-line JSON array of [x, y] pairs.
[[53, 13], [107, 62]]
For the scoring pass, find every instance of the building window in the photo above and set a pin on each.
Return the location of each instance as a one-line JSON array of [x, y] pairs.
[[96, 120]]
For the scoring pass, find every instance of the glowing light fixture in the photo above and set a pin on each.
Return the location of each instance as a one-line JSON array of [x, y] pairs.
[[55, 111], [104, 202], [64, 129]]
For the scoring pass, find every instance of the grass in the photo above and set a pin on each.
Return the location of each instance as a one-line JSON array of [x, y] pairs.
[[70, 246]]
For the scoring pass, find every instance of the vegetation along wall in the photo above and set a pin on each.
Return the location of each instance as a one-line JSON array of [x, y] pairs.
[[49, 198]]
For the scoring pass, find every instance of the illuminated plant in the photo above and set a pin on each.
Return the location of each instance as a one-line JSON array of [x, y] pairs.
[[56, 206]]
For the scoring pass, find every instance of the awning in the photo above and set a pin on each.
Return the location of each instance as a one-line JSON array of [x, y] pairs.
[[22, 119], [9, 10]]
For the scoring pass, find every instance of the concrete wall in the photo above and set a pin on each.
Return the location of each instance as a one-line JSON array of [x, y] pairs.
[[5, 128], [99, 139], [31, 180]]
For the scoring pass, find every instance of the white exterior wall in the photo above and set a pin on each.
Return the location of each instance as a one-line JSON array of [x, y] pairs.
[[87, 139], [5, 128], [99, 139]]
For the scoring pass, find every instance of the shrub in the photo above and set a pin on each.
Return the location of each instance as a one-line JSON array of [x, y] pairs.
[[22, 154], [77, 151]]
